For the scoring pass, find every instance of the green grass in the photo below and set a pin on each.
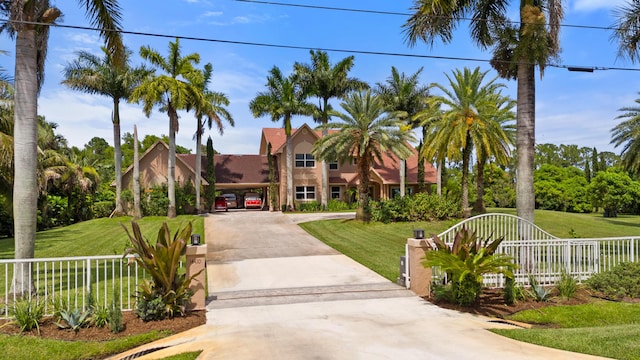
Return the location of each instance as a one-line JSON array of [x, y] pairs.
[[22, 347], [184, 356], [603, 328], [97, 237]]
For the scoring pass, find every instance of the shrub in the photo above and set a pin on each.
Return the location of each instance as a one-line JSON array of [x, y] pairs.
[[154, 201], [466, 262], [161, 261], [103, 209], [100, 316], [538, 292], [311, 206], [27, 314], [509, 292], [74, 319], [622, 280], [337, 205], [115, 313], [567, 286], [419, 207]]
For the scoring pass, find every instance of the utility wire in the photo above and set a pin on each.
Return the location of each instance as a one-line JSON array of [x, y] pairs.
[[297, 47], [403, 14]]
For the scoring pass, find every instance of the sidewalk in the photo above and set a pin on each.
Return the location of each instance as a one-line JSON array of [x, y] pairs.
[[278, 293]]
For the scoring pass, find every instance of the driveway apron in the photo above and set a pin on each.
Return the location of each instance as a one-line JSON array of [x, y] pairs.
[[275, 292]]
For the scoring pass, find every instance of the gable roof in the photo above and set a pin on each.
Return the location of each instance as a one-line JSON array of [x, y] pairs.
[[278, 138], [235, 169]]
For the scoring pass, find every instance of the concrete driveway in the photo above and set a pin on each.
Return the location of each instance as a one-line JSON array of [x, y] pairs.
[[278, 293]]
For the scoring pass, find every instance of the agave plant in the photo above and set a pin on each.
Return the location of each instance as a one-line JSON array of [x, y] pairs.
[[168, 286], [74, 319], [466, 262]]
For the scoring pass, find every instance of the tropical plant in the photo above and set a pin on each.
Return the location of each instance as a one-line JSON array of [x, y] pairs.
[[210, 191], [518, 47], [161, 261], [100, 316], [475, 117], [326, 81], [567, 286], [466, 261], [538, 292], [625, 134], [366, 131], [175, 89], [404, 93], [98, 75], [27, 314], [74, 319], [211, 106], [626, 30], [282, 100], [29, 25]]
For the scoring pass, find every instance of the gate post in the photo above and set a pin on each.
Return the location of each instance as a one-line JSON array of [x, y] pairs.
[[196, 264], [419, 276]]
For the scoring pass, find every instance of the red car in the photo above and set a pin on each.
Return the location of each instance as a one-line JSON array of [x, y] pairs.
[[252, 201], [221, 204]]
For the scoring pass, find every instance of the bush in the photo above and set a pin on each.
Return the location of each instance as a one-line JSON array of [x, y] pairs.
[[155, 202], [161, 261], [622, 280], [27, 314], [311, 206], [103, 209], [337, 205], [567, 286], [419, 207]]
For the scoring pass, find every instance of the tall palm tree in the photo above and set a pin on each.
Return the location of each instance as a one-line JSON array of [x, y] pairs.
[[517, 48], [627, 135], [282, 100], [213, 109], [28, 23], [626, 30], [98, 75], [404, 93], [367, 130], [326, 81], [468, 121], [172, 90]]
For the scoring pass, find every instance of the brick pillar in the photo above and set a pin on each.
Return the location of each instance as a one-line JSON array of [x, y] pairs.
[[197, 262], [419, 276]]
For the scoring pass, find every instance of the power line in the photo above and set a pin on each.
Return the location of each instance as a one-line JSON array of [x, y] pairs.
[[380, 12], [297, 47]]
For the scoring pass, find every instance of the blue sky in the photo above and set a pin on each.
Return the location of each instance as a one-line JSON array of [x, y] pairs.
[[572, 107]]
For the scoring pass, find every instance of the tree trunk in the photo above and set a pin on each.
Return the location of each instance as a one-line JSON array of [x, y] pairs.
[[171, 178], [525, 141], [439, 178], [137, 213], [403, 166], [466, 155], [421, 184], [362, 213], [479, 207], [198, 163], [25, 137], [289, 174], [117, 156]]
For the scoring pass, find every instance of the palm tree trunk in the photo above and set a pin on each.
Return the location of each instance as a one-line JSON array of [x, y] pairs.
[[171, 179], [479, 207], [439, 178], [525, 141], [325, 179], [466, 155], [362, 213], [289, 174], [198, 163], [25, 137], [137, 213], [403, 166], [117, 156]]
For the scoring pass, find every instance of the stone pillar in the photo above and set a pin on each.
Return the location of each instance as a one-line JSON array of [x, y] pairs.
[[196, 264], [419, 276]]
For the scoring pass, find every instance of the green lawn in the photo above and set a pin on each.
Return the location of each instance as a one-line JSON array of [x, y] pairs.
[[97, 237], [604, 329]]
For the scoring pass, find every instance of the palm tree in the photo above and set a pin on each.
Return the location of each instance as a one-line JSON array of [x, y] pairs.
[[326, 81], [626, 30], [517, 48], [28, 23], [627, 135], [282, 100], [173, 90], [213, 108], [366, 131], [468, 121], [94, 75], [404, 93]]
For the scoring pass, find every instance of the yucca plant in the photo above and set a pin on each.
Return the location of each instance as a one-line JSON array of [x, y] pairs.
[[162, 262], [27, 314], [467, 261]]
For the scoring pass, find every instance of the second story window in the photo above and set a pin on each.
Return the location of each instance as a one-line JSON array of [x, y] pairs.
[[333, 165], [305, 161]]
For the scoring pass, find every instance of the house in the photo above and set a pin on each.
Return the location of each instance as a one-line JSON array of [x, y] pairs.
[[242, 173]]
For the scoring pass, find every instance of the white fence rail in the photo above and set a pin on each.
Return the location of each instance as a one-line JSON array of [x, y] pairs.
[[69, 282], [542, 255]]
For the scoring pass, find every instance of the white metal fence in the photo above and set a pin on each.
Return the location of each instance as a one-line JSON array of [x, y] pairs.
[[70, 282], [542, 255]]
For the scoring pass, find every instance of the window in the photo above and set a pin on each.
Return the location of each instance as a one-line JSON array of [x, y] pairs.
[[335, 192], [333, 165], [305, 192], [305, 161]]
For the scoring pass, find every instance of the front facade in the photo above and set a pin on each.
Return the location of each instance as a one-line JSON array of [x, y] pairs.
[[244, 173]]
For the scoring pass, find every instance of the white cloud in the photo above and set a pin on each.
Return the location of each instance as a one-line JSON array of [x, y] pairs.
[[212, 14]]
